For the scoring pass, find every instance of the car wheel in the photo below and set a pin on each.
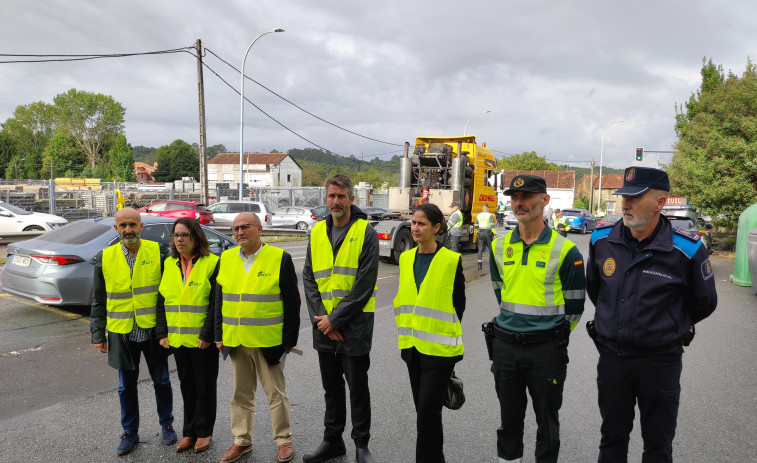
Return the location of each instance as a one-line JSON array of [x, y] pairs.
[[34, 228], [583, 230], [302, 226], [403, 243]]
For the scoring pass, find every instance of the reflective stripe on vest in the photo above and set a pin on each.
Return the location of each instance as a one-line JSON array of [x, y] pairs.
[[131, 295], [186, 304], [433, 328], [336, 276], [533, 289], [253, 309]]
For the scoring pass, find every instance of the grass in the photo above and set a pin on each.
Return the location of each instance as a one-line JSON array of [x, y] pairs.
[[277, 239]]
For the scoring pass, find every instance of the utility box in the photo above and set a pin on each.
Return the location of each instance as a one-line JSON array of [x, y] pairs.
[[747, 222]]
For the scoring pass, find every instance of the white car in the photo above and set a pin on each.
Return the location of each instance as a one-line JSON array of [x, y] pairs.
[[14, 220], [225, 212]]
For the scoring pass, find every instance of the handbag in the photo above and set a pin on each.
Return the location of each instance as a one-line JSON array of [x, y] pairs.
[[455, 395]]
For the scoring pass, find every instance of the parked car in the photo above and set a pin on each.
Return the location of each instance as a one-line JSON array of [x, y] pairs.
[[178, 209], [685, 218], [510, 220], [225, 212], [13, 219], [301, 218], [579, 220], [379, 213], [321, 212], [56, 268], [608, 219]]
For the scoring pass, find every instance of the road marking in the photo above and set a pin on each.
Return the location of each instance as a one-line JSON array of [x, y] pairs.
[[19, 352]]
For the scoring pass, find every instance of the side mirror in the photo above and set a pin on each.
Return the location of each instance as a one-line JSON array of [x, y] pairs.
[[5, 214]]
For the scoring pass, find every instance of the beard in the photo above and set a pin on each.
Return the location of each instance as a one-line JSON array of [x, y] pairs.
[[639, 220], [130, 238]]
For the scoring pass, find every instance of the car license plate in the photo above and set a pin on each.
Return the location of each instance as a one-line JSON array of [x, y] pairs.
[[23, 261], [384, 243]]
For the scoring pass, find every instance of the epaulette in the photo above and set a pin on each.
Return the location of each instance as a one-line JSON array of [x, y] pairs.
[[601, 232], [607, 225], [688, 234], [688, 242]]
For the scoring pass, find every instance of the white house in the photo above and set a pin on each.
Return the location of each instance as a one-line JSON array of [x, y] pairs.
[[259, 169]]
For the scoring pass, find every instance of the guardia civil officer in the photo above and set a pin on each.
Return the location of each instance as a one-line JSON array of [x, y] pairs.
[[650, 283], [339, 277], [428, 309], [127, 276], [484, 225], [185, 324], [539, 283], [455, 224]]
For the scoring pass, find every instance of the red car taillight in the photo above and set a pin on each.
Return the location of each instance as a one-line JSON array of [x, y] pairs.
[[312, 216], [267, 219], [384, 236], [57, 260]]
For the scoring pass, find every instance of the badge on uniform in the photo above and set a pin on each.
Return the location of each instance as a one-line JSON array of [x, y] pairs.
[[707, 270], [608, 268], [541, 264]]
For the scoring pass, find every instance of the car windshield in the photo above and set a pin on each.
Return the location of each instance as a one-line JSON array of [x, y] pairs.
[[14, 209], [611, 218], [571, 213], [681, 222], [76, 233]]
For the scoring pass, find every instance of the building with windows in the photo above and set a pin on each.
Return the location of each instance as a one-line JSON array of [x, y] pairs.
[[588, 187], [144, 171], [258, 169]]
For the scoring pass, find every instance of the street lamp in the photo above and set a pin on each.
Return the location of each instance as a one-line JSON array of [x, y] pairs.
[[241, 113], [601, 150], [469, 119]]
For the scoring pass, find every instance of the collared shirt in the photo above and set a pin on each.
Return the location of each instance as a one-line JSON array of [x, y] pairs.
[[248, 261], [137, 334]]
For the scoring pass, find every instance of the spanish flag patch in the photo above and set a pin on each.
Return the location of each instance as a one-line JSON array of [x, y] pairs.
[[578, 263]]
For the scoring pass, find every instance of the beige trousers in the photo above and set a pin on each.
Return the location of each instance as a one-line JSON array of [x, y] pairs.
[[249, 366]]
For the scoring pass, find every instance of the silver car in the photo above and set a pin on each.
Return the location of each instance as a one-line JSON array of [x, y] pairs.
[[225, 212], [56, 268], [301, 218]]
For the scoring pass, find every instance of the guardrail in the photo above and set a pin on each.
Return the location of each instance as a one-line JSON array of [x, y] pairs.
[[8, 238]]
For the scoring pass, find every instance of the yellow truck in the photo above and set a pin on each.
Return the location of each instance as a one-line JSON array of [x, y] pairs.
[[441, 170]]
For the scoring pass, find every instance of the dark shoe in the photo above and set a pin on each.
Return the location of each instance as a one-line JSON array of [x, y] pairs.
[[234, 452], [202, 444], [480, 265], [168, 434], [325, 451], [363, 455], [286, 452], [185, 443], [128, 441]]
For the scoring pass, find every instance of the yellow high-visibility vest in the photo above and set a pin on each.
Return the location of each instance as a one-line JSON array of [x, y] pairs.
[[187, 302], [335, 276], [433, 327], [131, 295], [533, 289], [253, 309]]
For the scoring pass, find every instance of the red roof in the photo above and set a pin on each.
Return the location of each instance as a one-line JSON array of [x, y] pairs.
[[613, 181], [249, 158]]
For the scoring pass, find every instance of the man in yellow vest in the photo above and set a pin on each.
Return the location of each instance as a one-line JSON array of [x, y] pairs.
[[484, 225], [127, 277], [258, 324], [455, 224], [339, 277], [539, 283]]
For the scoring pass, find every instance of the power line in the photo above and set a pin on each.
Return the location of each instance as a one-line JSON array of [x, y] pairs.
[[64, 58], [301, 108]]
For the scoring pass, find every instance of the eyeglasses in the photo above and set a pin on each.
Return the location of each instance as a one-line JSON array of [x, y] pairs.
[[183, 236], [243, 228]]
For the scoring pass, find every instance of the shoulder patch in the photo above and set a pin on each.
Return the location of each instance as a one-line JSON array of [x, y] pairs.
[[599, 233], [688, 234], [687, 244], [707, 270]]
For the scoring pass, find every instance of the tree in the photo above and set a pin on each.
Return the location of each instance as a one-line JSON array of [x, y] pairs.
[[121, 160], [715, 165], [8, 148], [175, 161], [526, 161], [64, 155], [213, 151], [92, 120], [31, 127]]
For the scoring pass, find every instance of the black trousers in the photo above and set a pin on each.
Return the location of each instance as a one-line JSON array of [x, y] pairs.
[[653, 381], [198, 372], [484, 241], [539, 368], [429, 387], [335, 369]]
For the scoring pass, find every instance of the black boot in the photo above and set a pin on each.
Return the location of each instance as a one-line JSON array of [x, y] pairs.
[[363, 455], [480, 265], [327, 449]]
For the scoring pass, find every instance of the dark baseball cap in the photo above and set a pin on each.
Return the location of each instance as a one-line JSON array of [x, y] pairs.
[[525, 182], [638, 180], [454, 204]]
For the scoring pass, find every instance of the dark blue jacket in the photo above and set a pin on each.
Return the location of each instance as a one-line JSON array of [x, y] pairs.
[[647, 303]]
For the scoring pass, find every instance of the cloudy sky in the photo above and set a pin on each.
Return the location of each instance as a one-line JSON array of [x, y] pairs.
[[553, 74]]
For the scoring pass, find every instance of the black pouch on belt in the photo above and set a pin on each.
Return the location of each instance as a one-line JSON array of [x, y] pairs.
[[488, 329]]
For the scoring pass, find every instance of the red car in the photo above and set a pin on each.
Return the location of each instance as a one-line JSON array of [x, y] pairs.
[[178, 209]]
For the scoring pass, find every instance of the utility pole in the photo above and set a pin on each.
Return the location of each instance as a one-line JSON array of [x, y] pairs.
[[52, 188], [203, 141], [591, 187]]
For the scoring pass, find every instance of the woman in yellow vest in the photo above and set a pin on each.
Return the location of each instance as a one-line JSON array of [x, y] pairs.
[[428, 308], [185, 322]]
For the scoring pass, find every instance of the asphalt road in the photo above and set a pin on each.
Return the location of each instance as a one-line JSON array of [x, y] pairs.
[[58, 398]]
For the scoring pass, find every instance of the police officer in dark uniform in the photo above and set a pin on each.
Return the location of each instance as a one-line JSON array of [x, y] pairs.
[[650, 284]]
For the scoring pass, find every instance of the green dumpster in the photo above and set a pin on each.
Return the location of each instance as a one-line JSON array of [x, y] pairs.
[[747, 221]]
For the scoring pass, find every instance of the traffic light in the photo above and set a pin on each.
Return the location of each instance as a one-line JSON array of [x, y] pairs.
[[639, 154]]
